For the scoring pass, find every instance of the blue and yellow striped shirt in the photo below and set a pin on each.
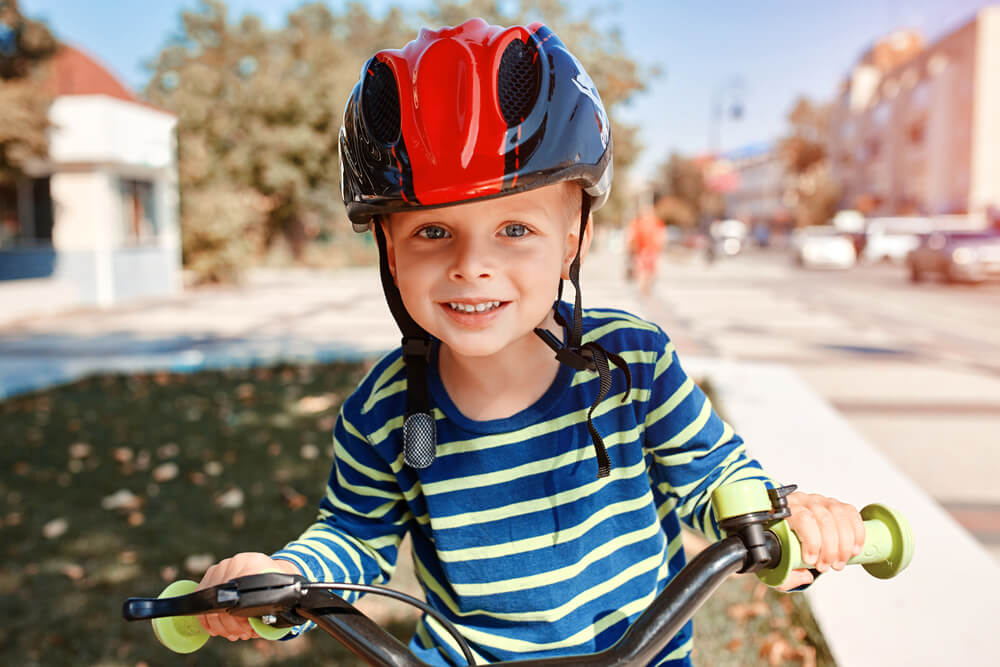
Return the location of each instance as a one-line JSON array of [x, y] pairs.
[[515, 540]]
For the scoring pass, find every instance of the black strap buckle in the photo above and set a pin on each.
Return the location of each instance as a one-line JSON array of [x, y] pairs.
[[417, 347]]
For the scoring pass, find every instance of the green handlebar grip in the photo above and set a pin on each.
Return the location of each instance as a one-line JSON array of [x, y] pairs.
[[887, 550], [184, 634], [180, 634]]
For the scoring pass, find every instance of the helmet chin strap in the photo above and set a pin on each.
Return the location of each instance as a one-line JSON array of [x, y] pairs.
[[419, 427], [589, 356]]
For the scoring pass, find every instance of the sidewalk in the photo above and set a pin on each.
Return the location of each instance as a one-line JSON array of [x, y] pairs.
[[925, 617]]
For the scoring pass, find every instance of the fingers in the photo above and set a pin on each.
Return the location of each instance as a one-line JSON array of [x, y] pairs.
[[829, 531], [795, 579], [232, 628]]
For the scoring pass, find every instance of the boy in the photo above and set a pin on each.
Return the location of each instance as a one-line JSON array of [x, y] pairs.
[[477, 154]]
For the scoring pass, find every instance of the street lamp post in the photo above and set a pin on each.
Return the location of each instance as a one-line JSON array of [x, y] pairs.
[[726, 101]]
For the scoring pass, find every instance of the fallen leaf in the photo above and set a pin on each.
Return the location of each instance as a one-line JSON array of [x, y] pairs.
[[274, 449], [239, 519], [245, 391], [774, 648], [168, 451], [309, 451], [327, 423], [73, 571], [314, 404], [734, 645], [123, 454], [742, 611], [136, 519], [55, 528], [165, 472], [213, 468], [198, 563], [797, 632], [293, 499], [79, 450], [230, 499], [128, 557], [168, 573], [123, 499]]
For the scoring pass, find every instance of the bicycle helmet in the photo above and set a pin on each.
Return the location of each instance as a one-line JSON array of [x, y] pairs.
[[468, 113]]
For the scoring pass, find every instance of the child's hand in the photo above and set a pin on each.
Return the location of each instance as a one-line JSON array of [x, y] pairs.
[[222, 624], [830, 532]]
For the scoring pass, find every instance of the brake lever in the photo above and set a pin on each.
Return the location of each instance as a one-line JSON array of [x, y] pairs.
[[252, 595]]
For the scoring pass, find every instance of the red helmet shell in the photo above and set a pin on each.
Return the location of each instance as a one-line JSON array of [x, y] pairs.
[[471, 112]]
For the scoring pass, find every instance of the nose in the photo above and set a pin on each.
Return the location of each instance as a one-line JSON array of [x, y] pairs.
[[471, 260]]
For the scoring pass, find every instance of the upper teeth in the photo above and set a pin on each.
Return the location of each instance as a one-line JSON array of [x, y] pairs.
[[474, 308]]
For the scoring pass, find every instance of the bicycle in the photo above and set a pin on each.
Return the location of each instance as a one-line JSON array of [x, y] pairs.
[[758, 539]]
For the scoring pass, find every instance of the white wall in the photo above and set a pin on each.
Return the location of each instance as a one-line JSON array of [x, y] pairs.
[[97, 128], [985, 180], [86, 208]]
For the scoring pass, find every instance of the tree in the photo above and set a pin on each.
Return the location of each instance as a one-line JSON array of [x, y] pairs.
[[25, 45], [683, 196], [816, 194], [258, 115]]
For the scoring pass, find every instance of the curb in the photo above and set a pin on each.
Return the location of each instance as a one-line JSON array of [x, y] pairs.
[[929, 614]]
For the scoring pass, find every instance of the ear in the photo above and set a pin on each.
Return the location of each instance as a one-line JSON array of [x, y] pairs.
[[390, 250], [572, 240]]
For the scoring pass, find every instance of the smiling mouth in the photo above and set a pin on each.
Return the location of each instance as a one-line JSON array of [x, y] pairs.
[[473, 308]]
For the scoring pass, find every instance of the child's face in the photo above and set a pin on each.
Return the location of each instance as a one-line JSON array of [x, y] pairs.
[[483, 275]]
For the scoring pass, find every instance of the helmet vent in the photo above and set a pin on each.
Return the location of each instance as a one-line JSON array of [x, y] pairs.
[[518, 81], [380, 102]]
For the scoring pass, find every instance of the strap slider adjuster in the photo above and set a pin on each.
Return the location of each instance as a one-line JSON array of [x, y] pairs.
[[417, 347]]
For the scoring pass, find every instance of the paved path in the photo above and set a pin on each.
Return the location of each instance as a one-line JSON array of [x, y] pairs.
[[914, 369]]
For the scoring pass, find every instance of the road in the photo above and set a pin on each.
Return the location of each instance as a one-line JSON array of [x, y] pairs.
[[914, 368]]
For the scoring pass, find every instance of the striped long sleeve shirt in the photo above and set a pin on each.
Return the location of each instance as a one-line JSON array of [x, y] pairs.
[[515, 539]]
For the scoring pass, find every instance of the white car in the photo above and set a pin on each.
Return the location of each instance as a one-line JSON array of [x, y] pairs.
[[823, 248], [892, 239]]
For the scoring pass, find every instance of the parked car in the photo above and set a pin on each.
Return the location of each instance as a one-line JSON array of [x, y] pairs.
[[823, 247], [957, 256], [891, 239]]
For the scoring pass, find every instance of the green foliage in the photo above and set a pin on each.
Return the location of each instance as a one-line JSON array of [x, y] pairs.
[[259, 111], [25, 45]]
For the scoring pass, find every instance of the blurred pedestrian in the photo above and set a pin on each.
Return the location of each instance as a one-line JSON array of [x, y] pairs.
[[645, 240]]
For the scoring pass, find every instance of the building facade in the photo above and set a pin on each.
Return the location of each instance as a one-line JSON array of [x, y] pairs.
[[915, 128], [100, 214], [758, 191]]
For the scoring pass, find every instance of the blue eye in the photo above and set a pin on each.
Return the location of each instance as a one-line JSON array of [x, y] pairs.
[[515, 230], [433, 232]]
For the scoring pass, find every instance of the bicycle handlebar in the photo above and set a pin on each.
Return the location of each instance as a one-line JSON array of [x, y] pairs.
[[758, 539]]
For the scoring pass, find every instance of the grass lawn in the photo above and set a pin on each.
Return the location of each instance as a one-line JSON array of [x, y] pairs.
[[116, 485]]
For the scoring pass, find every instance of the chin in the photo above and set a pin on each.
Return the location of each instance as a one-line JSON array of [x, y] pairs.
[[473, 348]]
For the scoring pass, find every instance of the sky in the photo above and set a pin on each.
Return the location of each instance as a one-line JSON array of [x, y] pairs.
[[765, 53]]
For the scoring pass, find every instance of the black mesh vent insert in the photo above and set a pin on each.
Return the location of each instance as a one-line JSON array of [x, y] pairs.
[[518, 81], [380, 103]]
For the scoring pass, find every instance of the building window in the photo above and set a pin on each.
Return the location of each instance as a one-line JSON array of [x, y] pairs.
[[138, 219], [26, 212]]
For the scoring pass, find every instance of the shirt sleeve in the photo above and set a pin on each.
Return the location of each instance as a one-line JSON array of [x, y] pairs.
[[362, 518], [693, 450]]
